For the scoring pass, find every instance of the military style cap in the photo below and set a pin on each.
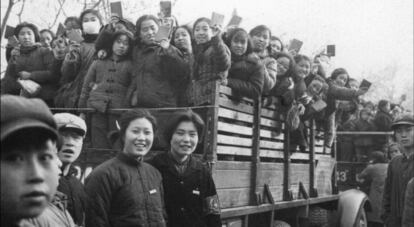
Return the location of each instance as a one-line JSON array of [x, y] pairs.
[[70, 121], [19, 113], [403, 119]]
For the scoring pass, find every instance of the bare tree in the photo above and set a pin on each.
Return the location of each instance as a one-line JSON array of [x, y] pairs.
[[19, 14], [6, 16], [61, 4]]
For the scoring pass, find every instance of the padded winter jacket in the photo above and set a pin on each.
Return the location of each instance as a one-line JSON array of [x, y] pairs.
[[246, 76], [73, 73], [36, 60], [125, 192], [211, 64], [157, 71], [105, 85], [190, 198]]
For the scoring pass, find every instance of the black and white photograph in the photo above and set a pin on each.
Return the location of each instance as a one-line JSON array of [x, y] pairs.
[[207, 113]]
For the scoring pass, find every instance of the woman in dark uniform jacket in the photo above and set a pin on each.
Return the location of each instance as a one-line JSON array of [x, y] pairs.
[[190, 194]]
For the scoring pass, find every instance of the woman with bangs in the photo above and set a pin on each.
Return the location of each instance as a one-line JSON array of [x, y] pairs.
[[212, 59], [260, 36], [30, 62], [246, 75], [182, 39], [105, 87]]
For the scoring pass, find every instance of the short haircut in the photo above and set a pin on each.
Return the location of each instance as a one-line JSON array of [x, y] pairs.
[[185, 27], [300, 57], [48, 31], [201, 19], [188, 116], [291, 69], [338, 72], [139, 23], [133, 114], [115, 36], [31, 27], [27, 138], [92, 11], [272, 38], [235, 33], [72, 19]]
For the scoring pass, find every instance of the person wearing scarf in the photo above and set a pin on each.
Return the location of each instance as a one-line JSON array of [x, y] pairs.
[[77, 61], [29, 63]]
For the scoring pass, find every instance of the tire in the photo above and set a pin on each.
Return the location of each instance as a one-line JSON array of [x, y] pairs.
[[361, 219]]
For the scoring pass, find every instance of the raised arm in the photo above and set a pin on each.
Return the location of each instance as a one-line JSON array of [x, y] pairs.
[[88, 83]]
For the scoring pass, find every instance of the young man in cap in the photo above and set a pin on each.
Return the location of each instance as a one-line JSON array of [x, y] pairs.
[[29, 163], [72, 130], [400, 171]]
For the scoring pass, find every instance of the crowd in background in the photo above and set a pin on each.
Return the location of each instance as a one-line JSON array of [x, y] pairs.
[[118, 65]]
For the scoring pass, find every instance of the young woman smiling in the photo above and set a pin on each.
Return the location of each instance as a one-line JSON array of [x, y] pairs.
[[190, 194]]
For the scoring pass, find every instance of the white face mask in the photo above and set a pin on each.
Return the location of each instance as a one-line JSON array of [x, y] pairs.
[[91, 27]]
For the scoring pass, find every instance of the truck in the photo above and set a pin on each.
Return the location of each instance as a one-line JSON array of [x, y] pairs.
[[259, 181]]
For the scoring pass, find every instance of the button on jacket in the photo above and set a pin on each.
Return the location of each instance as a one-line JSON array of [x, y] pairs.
[[190, 198], [106, 84], [125, 192]]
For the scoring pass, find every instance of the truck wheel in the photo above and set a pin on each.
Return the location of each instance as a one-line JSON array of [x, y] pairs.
[[361, 220]]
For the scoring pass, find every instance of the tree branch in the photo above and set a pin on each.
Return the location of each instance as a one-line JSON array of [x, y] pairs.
[[58, 13], [6, 17], [96, 4], [19, 15]]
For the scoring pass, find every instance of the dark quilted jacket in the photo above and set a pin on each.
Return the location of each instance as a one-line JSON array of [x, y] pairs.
[[38, 61], [105, 85], [211, 63], [246, 76], [125, 193], [157, 71]]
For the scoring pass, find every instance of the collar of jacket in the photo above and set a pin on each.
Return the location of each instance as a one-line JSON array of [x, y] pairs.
[[90, 38], [166, 161], [128, 160], [28, 49]]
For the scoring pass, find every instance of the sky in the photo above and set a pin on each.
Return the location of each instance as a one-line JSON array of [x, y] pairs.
[[368, 34]]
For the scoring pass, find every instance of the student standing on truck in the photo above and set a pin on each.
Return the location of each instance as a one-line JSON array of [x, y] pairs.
[[212, 59], [400, 171], [158, 67], [260, 36], [72, 131], [77, 61], [246, 75], [125, 191], [29, 163], [190, 194], [105, 87], [30, 62]]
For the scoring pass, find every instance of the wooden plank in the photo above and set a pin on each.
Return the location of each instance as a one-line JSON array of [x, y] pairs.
[[272, 177], [271, 134], [228, 165], [234, 115], [271, 123], [236, 129], [265, 144], [227, 103], [226, 179], [227, 91], [234, 140], [269, 113], [230, 150], [299, 172], [234, 197]]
